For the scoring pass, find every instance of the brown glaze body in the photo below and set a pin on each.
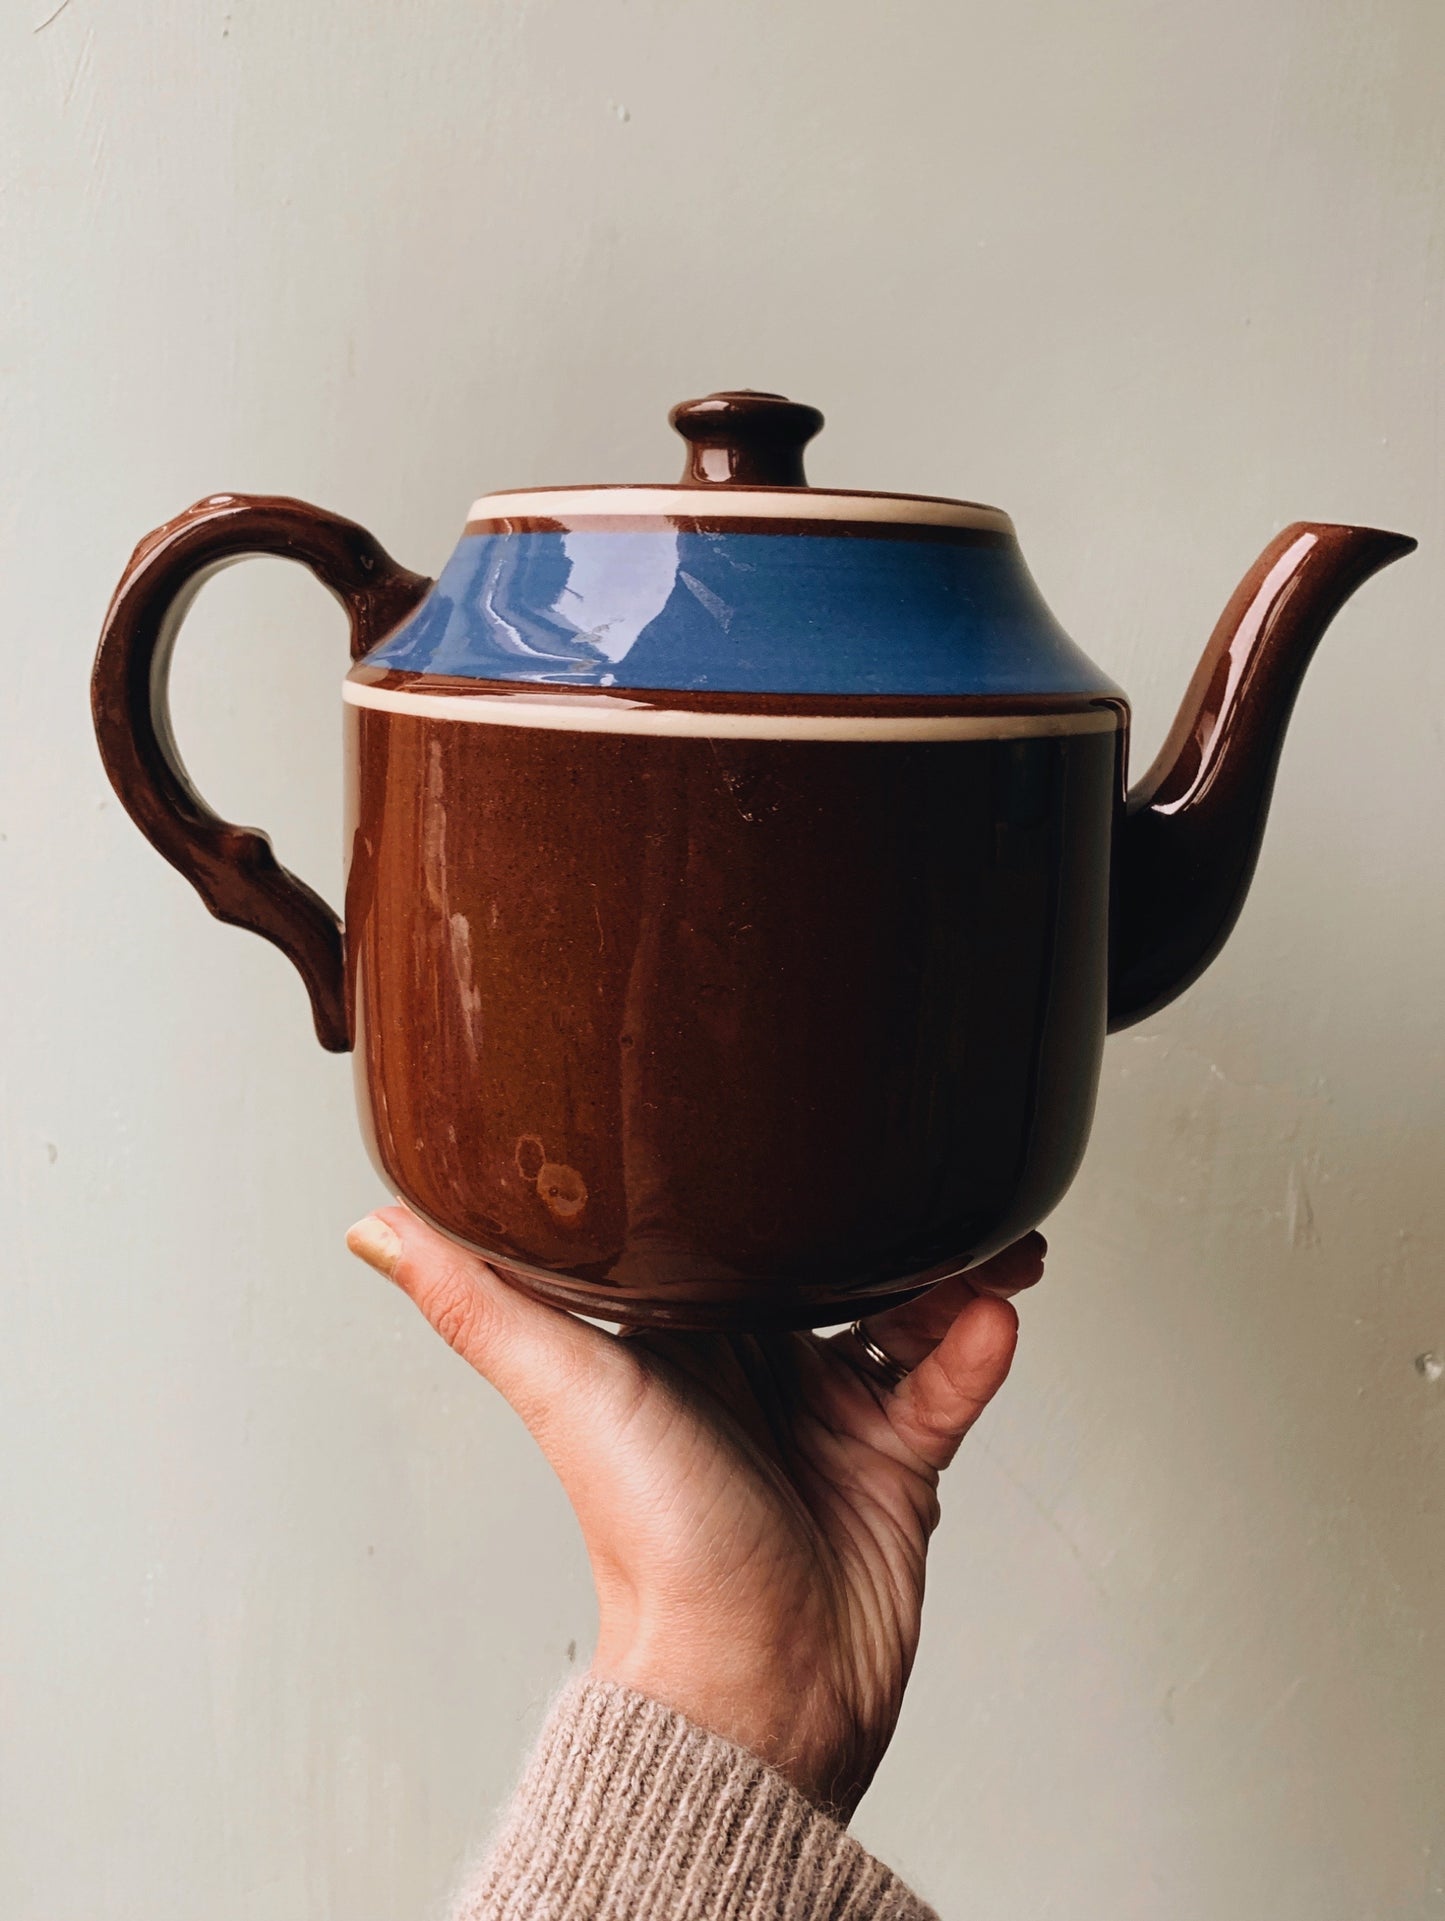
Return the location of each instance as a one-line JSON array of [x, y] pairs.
[[686, 1029]]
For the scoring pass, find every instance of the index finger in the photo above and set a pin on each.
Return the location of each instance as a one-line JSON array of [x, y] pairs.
[[910, 1332]]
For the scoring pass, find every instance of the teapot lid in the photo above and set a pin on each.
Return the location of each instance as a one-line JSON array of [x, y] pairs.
[[744, 464], [704, 588]]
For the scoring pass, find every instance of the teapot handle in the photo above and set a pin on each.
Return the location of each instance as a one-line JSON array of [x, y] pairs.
[[233, 869]]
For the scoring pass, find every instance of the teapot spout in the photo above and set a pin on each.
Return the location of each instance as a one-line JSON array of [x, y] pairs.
[[1190, 832]]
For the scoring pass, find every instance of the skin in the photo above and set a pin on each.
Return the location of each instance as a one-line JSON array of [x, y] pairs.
[[756, 1508]]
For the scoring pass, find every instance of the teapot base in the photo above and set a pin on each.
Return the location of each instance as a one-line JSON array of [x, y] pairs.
[[710, 1304], [752, 1311]]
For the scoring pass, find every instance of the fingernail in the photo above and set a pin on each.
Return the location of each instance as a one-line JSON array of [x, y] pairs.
[[375, 1243]]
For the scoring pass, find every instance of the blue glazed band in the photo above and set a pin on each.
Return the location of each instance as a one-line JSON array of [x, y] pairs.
[[742, 613]]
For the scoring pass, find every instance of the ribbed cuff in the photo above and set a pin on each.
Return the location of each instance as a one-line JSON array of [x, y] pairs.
[[627, 1812]]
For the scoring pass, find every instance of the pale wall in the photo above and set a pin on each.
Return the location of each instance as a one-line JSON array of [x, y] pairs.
[[283, 1586]]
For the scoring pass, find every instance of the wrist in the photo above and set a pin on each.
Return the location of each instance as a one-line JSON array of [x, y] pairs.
[[786, 1717]]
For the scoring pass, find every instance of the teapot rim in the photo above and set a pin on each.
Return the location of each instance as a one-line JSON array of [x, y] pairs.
[[801, 508]]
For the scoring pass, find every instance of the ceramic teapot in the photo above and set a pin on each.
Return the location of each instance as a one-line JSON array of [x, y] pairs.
[[741, 876]]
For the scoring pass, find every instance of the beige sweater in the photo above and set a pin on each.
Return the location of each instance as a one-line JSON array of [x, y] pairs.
[[627, 1812]]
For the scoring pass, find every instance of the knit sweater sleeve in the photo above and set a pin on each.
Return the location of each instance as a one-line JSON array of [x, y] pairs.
[[627, 1812]]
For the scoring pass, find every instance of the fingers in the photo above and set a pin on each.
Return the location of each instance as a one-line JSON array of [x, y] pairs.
[[957, 1341], [935, 1406], [546, 1363], [909, 1332], [1012, 1270]]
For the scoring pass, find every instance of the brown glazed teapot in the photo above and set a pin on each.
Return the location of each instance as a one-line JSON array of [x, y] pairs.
[[742, 876]]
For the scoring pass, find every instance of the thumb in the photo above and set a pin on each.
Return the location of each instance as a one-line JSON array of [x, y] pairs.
[[559, 1374]]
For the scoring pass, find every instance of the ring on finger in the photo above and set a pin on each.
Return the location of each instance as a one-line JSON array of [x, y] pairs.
[[887, 1364]]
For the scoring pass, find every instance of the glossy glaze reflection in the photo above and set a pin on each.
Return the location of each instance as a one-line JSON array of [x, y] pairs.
[[744, 612]]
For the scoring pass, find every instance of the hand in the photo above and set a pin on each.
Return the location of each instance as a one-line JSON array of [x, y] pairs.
[[756, 1508]]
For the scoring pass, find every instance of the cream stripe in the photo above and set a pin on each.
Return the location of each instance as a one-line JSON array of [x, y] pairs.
[[598, 714], [730, 503]]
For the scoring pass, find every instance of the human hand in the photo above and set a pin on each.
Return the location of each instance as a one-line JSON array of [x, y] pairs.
[[756, 1508]]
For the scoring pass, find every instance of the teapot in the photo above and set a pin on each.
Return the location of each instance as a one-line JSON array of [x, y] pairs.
[[741, 876]]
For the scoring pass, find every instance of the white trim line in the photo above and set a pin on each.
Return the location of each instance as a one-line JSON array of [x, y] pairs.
[[599, 714], [734, 503]]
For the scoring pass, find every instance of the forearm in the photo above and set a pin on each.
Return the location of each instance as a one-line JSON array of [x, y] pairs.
[[627, 1812]]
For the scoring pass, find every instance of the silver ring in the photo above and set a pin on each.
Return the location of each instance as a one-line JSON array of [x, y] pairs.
[[891, 1367]]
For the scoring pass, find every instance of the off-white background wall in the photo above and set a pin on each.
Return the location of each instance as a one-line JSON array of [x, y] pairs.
[[283, 1586]]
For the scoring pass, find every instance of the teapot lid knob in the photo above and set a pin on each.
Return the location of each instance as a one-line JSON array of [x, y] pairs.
[[745, 439]]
